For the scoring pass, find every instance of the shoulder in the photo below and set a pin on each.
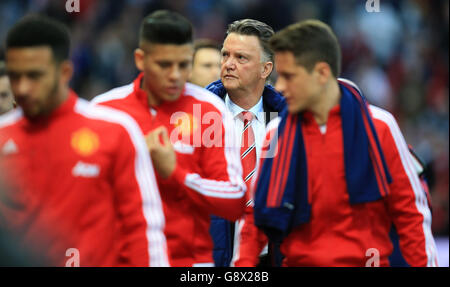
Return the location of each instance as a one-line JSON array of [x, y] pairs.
[[382, 118], [349, 83], [202, 96], [121, 98], [386, 126], [217, 88], [108, 118], [114, 94], [10, 118]]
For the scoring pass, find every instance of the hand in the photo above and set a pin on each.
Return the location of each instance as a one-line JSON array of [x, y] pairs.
[[162, 153]]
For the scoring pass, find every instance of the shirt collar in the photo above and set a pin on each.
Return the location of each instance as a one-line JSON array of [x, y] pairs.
[[257, 110]]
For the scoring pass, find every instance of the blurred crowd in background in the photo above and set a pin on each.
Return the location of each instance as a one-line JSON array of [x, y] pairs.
[[399, 56]]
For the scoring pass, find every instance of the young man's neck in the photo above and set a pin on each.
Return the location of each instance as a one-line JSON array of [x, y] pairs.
[[61, 96], [246, 99], [328, 99], [152, 100]]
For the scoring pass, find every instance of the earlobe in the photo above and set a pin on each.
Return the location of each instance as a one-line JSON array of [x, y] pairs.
[[324, 72], [139, 59], [66, 71], [267, 69]]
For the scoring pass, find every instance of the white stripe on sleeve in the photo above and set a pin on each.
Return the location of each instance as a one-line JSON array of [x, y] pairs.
[[408, 165], [11, 117], [235, 187], [114, 94], [145, 177]]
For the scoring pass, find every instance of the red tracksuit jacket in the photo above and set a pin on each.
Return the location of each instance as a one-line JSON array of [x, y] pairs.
[[340, 234], [81, 178], [208, 176]]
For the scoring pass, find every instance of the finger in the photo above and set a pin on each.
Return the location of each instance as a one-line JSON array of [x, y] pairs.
[[156, 133], [152, 138], [161, 137], [153, 142], [165, 137], [158, 130], [148, 141]]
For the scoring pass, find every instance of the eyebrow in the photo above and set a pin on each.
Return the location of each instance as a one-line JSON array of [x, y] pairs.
[[237, 52], [244, 53], [170, 62], [286, 74], [27, 73]]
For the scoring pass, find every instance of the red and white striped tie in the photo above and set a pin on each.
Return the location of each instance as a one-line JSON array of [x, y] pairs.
[[248, 148]]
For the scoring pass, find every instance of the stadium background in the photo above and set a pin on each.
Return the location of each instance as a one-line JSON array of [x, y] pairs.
[[398, 56]]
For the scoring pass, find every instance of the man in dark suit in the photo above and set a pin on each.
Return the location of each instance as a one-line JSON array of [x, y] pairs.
[[247, 63]]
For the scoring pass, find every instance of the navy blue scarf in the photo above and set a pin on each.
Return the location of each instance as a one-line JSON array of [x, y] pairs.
[[281, 197]]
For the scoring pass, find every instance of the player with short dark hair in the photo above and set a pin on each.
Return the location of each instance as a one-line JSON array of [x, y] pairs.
[[343, 175], [165, 27], [78, 178], [189, 134], [314, 42]]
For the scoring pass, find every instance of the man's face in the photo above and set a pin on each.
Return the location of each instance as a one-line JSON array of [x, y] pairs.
[[34, 79], [6, 96], [166, 69], [241, 62], [206, 67], [299, 87]]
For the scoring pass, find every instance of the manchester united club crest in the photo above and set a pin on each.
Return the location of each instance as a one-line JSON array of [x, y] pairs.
[[85, 142]]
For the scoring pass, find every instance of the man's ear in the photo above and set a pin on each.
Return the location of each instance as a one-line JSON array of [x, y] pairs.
[[267, 69], [139, 59], [66, 71], [323, 71]]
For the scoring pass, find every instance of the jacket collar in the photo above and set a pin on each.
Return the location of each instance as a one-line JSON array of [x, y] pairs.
[[139, 92], [272, 99], [64, 108], [142, 96]]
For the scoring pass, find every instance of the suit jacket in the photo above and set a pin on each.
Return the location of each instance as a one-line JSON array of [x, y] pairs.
[[221, 230]]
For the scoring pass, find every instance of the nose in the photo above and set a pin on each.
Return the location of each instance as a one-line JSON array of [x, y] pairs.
[[280, 85], [175, 73], [228, 63], [21, 86]]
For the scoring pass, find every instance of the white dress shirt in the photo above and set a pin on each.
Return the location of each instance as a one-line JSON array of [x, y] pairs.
[[259, 129], [258, 124]]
